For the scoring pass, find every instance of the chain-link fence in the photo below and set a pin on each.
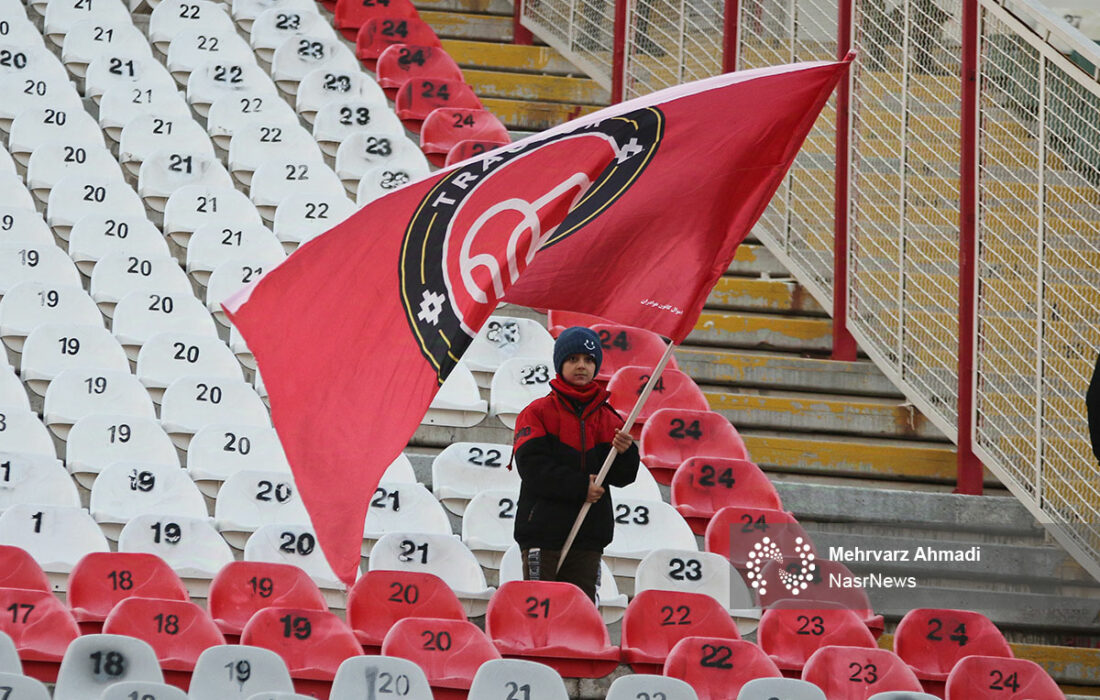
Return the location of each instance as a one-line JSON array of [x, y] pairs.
[[581, 30]]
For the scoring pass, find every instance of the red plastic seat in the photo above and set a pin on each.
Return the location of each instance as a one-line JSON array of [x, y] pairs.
[[18, 569], [381, 598], [825, 588], [998, 678], [313, 643], [350, 15], [790, 633], [673, 435], [41, 628], [717, 667], [101, 579], [400, 62], [857, 673], [553, 623], [470, 148], [419, 97], [702, 486], [445, 127], [449, 652], [240, 588], [624, 346], [933, 640], [383, 31], [558, 321], [178, 630], [734, 532], [673, 390], [656, 620]]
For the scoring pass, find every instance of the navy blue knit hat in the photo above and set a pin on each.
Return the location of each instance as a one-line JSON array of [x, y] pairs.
[[577, 340]]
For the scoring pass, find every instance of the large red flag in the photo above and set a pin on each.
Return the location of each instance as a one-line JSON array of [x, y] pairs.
[[631, 213]]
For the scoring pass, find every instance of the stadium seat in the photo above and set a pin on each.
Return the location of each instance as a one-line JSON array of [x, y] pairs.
[[52, 161], [238, 672], [191, 47], [132, 67], [448, 651], [18, 569], [242, 80], [321, 86], [194, 206], [442, 555], [350, 15], [52, 348], [39, 125], [140, 315], [382, 597], [21, 431], [298, 55], [702, 486], [673, 435], [62, 15], [820, 588], [636, 686], [191, 546], [780, 688], [24, 224], [402, 507], [400, 470], [89, 38], [123, 491], [400, 62], [339, 118], [698, 572], [212, 244], [31, 303], [28, 261], [171, 17], [243, 587], [97, 235], [640, 527], [734, 531], [246, 12], [192, 402], [117, 274], [446, 127], [857, 673], [76, 393], [469, 149], [228, 278], [101, 579], [790, 633], [458, 403], [515, 384], [220, 450], [717, 667], [464, 469], [98, 440], [303, 217], [34, 478], [501, 677], [12, 394], [933, 640], [487, 525], [278, 179], [94, 662], [250, 499], [230, 111], [169, 355], [901, 695], [313, 643], [993, 678], [19, 196], [419, 97], [611, 603], [674, 389], [384, 30], [177, 630], [363, 151], [370, 676], [40, 627], [502, 338], [296, 545], [383, 179], [166, 171], [274, 26], [125, 102], [145, 135], [256, 142], [23, 687], [624, 346], [142, 690], [656, 620]]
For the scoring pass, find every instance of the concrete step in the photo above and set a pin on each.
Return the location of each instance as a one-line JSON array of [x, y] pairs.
[[490, 7], [762, 331], [469, 25], [767, 295], [527, 115], [754, 259], [783, 371], [509, 57], [544, 88]]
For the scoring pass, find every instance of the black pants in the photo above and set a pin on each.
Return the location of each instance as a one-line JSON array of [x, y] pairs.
[[580, 568]]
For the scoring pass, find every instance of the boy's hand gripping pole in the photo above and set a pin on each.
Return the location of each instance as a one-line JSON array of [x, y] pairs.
[[612, 454]]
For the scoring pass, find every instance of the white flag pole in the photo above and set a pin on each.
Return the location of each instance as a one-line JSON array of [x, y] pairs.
[[612, 454]]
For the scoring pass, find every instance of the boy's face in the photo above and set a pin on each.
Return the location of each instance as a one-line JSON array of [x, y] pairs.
[[578, 369]]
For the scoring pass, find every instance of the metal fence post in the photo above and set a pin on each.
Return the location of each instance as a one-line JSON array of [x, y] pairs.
[[520, 34], [618, 52], [969, 475], [844, 345], [729, 35]]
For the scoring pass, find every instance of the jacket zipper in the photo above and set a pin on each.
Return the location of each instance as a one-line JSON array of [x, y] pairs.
[[580, 416]]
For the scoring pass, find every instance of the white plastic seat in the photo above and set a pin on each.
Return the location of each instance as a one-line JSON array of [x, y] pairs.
[[16, 194], [166, 171], [274, 25], [458, 403], [175, 353], [140, 315], [230, 112], [278, 179], [303, 217], [298, 55], [191, 403], [192, 47], [644, 487], [228, 278], [35, 478], [89, 38], [52, 348], [15, 28], [117, 274], [172, 17], [214, 243], [39, 125], [130, 67], [363, 150], [793, 689], [240, 348], [142, 690], [323, 85], [77, 196], [79, 392], [256, 143], [221, 450], [125, 490], [191, 546], [94, 662], [24, 224], [52, 161], [367, 676], [383, 179], [62, 15], [692, 571], [21, 431], [7, 163], [497, 678], [147, 134], [505, 337], [638, 685], [516, 383], [30, 60], [642, 526], [251, 670], [442, 555], [338, 119], [121, 104], [488, 524], [217, 79], [402, 507], [246, 11], [12, 394], [98, 235], [611, 603], [193, 206], [56, 536], [23, 687], [30, 304], [464, 469], [22, 93], [101, 439], [292, 543], [250, 499]]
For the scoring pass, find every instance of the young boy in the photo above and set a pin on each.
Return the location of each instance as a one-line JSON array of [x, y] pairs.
[[562, 440]]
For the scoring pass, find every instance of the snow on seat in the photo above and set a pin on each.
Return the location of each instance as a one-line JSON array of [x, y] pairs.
[[933, 640], [487, 525], [22, 261], [119, 273], [350, 15], [220, 450], [145, 690], [191, 403], [131, 67], [251, 499], [702, 486], [611, 603], [321, 86], [656, 620], [140, 315], [101, 439], [24, 224], [35, 478], [717, 667], [339, 118], [171, 17], [169, 355], [191, 546], [296, 545], [303, 217], [400, 62], [419, 97], [443, 555], [123, 491], [255, 143], [52, 161], [448, 651], [242, 80], [298, 55], [193, 206], [101, 579], [213, 243], [383, 179], [242, 588], [30, 304], [365, 150], [446, 127], [498, 677], [78, 392], [166, 171], [275, 25], [238, 672], [674, 389], [96, 235], [89, 38], [515, 384], [231, 112], [386, 29], [980, 677], [402, 507], [56, 536], [52, 348], [640, 527], [380, 598], [77, 196], [21, 431], [786, 688], [691, 571], [147, 134], [856, 673], [193, 46], [280, 178], [464, 469], [367, 676], [640, 685], [95, 662], [313, 643], [791, 631], [458, 403]]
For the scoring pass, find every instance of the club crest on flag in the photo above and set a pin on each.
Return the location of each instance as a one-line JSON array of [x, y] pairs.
[[479, 227]]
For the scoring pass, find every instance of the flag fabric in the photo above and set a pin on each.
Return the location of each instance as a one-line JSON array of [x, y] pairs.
[[631, 213]]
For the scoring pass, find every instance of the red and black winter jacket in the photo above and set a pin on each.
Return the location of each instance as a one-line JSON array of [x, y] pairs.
[[561, 438]]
